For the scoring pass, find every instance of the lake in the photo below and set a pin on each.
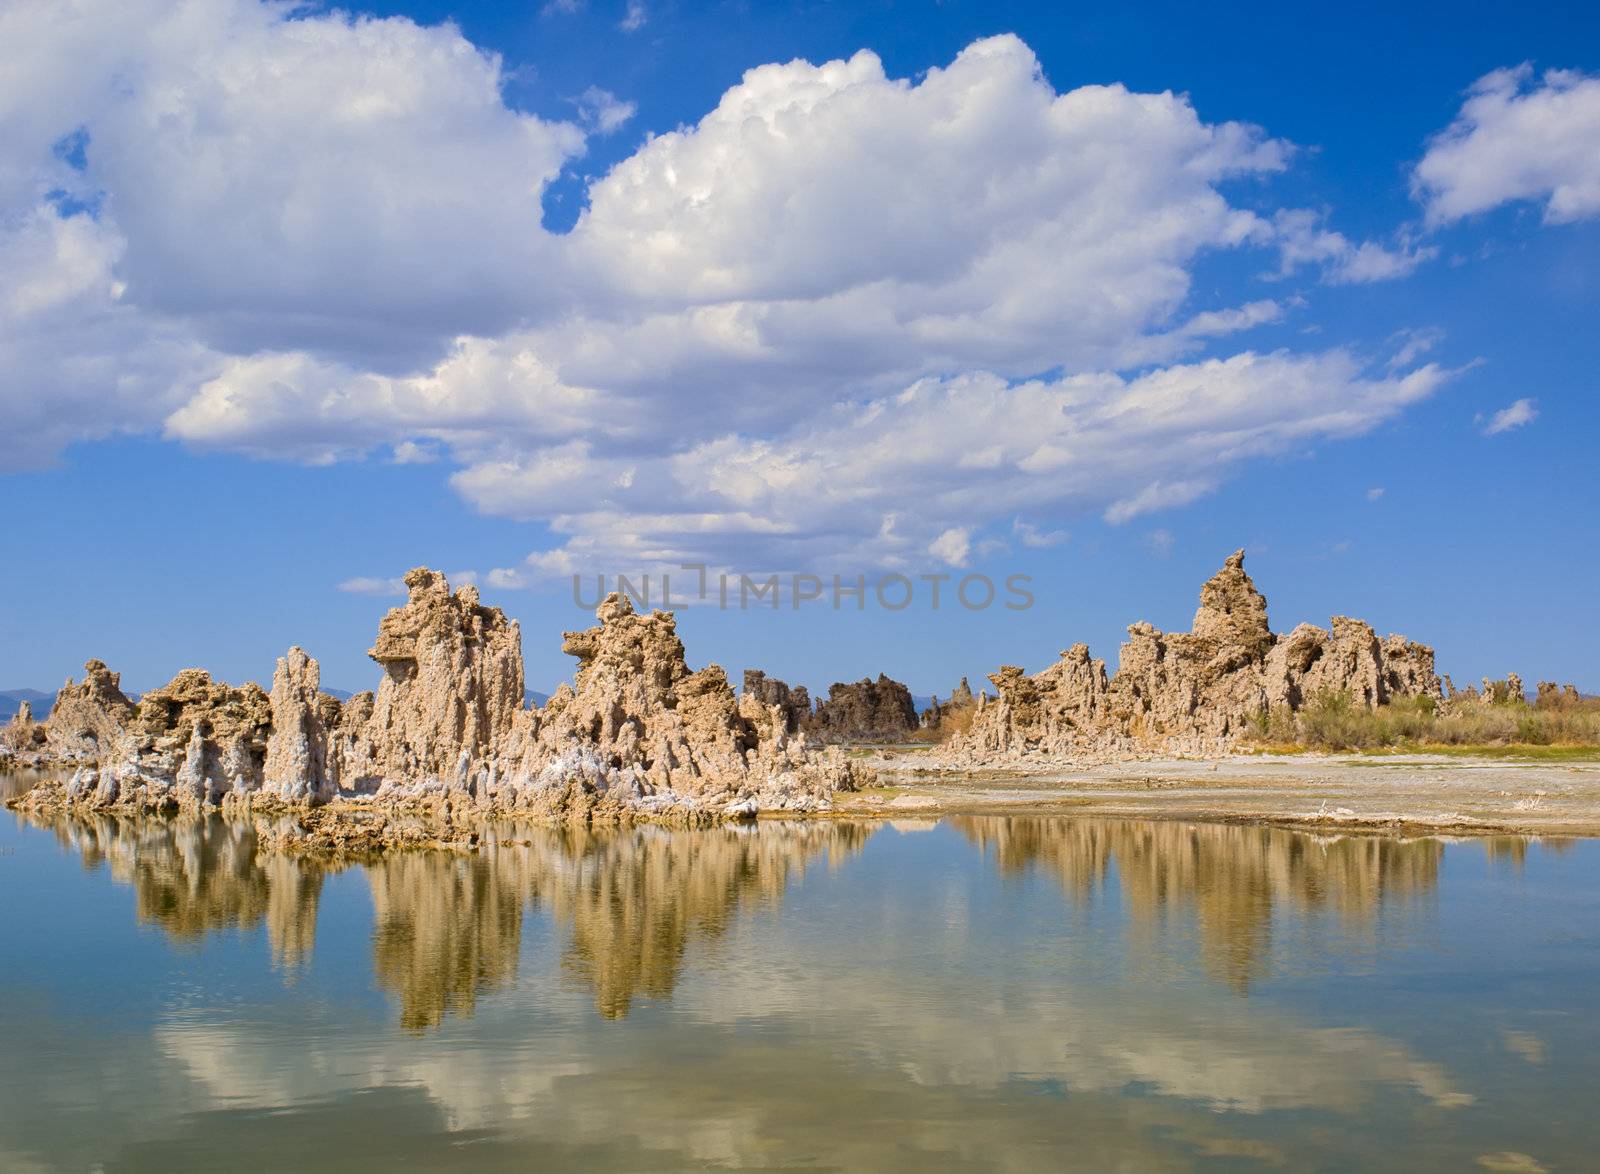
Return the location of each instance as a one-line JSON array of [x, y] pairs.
[[1005, 993]]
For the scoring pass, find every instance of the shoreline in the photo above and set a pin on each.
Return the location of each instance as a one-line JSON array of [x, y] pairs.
[[1435, 793], [1401, 794]]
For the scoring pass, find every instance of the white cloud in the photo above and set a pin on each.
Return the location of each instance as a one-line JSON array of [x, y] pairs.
[[297, 407], [409, 452], [602, 111], [635, 16], [1158, 495], [80, 361], [1211, 323], [1514, 415], [1302, 239], [247, 179], [1032, 536], [359, 185], [1375, 493], [827, 221], [832, 296], [506, 579], [1517, 137], [882, 483], [953, 546], [1413, 344]]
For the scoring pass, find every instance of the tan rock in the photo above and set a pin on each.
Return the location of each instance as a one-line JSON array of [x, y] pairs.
[[22, 734], [297, 764], [451, 687], [1194, 691], [940, 714], [89, 717], [794, 702], [642, 731], [447, 735], [865, 711], [198, 739]]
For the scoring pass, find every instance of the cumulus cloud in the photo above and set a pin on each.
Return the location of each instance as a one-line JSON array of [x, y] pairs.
[[350, 184], [410, 452], [1519, 136], [1514, 415], [241, 179], [294, 406], [80, 361], [809, 328]]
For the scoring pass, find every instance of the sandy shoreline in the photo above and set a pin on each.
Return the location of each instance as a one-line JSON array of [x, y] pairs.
[[1420, 792]]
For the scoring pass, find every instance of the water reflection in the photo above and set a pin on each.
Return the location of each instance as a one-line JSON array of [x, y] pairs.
[[637, 900], [969, 996], [1229, 878], [447, 927], [634, 903], [193, 875]]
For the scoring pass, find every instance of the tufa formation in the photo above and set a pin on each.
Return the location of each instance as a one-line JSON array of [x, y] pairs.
[[1194, 691], [866, 711], [448, 729]]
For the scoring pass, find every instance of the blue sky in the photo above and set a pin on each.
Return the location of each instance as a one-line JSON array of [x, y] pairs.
[[291, 301]]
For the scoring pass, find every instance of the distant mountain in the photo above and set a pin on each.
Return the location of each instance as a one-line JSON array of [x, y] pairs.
[[534, 697], [341, 694], [11, 700]]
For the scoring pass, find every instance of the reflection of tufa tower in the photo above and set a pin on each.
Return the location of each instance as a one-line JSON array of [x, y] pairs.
[[1229, 879], [195, 875], [638, 899], [447, 928]]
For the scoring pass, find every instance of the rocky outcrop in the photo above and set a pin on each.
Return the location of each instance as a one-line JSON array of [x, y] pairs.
[[22, 734], [298, 767], [451, 686], [1553, 696], [866, 711], [942, 715], [1194, 691], [89, 717], [641, 732], [448, 734], [793, 702], [1067, 705], [192, 741]]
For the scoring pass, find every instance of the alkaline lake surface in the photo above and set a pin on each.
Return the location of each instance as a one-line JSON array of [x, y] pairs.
[[1006, 993]]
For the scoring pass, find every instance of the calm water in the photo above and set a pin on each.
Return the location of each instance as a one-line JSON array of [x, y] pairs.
[[980, 993]]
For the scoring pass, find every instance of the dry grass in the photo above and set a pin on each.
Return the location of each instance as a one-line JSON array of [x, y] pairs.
[[951, 723], [1333, 721]]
